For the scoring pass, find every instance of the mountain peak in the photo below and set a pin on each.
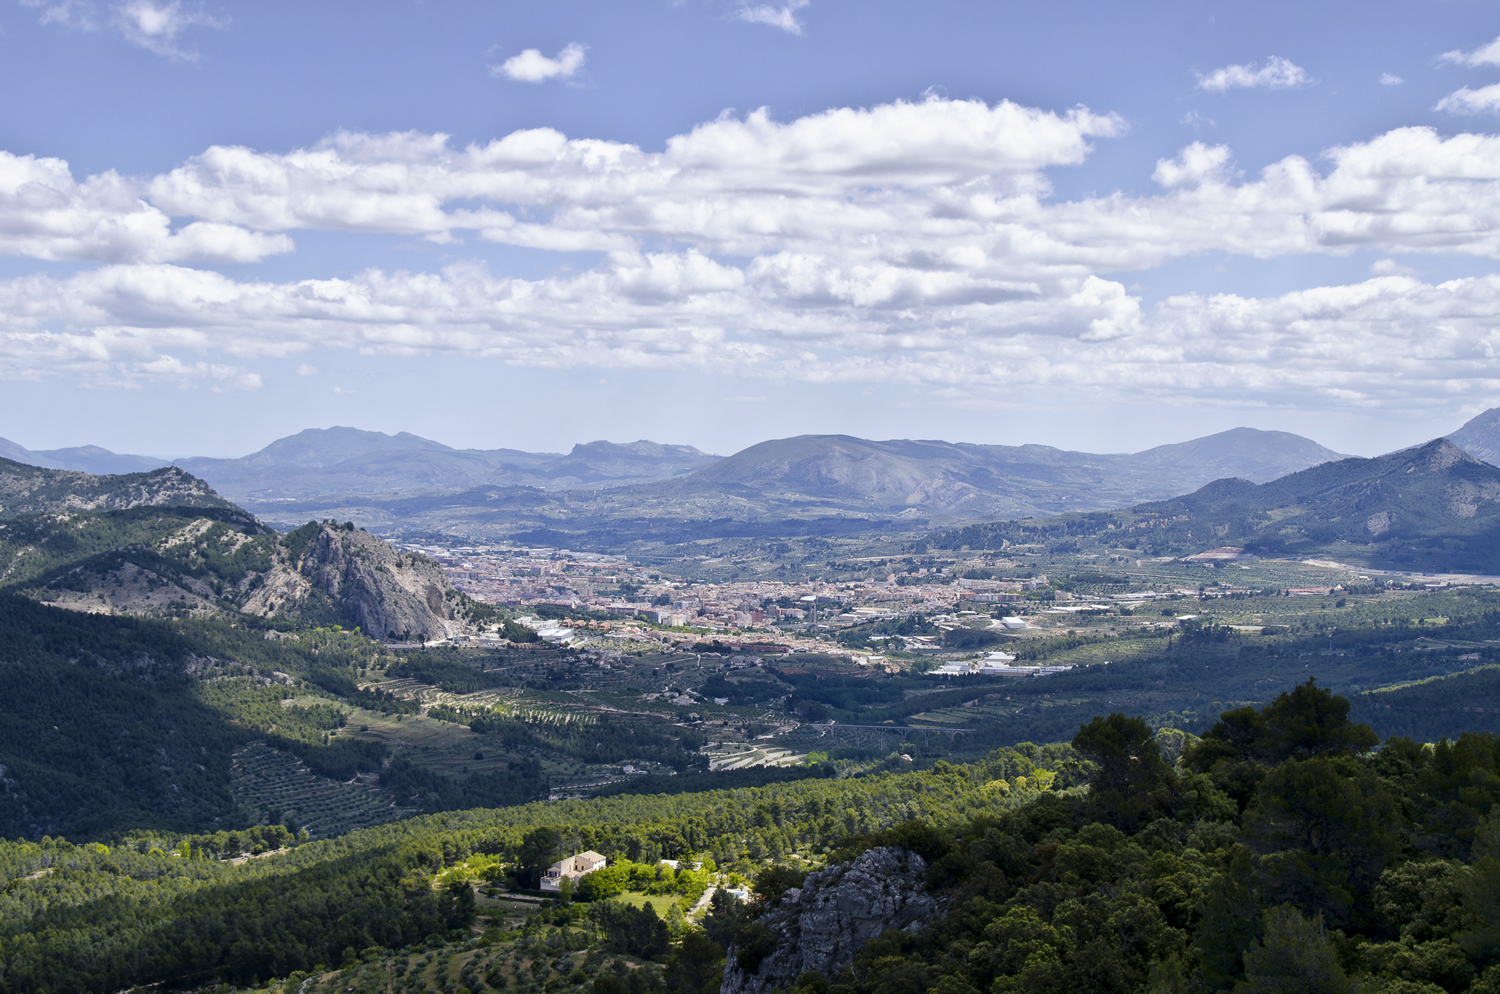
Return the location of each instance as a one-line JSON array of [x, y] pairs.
[[1480, 436], [320, 447], [643, 447], [1440, 453]]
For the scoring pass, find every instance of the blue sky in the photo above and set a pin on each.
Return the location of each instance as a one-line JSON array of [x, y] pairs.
[[1096, 225]]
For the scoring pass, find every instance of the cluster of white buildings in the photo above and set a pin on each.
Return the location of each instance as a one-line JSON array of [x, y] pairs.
[[753, 617], [994, 664], [528, 577]]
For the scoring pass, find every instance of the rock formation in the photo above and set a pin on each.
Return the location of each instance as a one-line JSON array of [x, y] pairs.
[[164, 543], [386, 592], [822, 925]]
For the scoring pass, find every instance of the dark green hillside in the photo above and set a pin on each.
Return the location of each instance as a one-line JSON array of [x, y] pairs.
[[115, 722], [1435, 708], [1431, 508], [43, 549], [101, 727]]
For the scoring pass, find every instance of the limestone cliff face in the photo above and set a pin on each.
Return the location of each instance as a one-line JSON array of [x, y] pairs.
[[164, 544], [388, 593], [824, 924]]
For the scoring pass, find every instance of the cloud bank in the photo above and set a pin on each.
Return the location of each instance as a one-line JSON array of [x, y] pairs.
[[1391, 341], [914, 243]]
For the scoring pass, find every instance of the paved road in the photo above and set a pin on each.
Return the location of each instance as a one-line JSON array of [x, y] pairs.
[[702, 904]]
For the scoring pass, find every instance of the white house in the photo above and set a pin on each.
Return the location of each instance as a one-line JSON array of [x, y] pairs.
[[571, 869]]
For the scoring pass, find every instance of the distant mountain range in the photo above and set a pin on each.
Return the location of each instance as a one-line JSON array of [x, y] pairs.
[[617, 495], [804, 486], [985, 480], [342, 461], [81, 458], [610, 493], [321, 462], [1430, 508]]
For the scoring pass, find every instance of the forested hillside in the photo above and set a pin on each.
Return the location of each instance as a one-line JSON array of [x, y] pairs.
[[172, 917], [119, 722], [1279, 853]]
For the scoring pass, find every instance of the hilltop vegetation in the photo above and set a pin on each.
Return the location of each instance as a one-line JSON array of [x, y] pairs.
[[31, 490]]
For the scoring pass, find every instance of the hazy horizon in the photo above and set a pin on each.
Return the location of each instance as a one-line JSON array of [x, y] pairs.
[[563, 450]]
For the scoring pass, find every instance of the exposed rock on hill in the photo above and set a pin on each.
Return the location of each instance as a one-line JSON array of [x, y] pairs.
[[164, 544], [824, 924], [386, 592]]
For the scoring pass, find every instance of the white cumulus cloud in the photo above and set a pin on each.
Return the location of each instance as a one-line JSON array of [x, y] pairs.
[[1486, 99], [1390, 79], [1276, 74], [734, 185], [45, 213], [1484, 55], [940, 185], [783, 16], [531, 66]]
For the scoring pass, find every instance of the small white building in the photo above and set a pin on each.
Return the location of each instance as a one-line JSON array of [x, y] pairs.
[[571, 869]]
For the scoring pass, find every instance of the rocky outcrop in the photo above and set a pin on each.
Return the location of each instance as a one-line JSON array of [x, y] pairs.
[[180, 549], [388, 593], [824, 924]]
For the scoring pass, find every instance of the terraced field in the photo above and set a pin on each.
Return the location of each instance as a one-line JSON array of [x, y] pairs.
[[271, 785], [740, 756]]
